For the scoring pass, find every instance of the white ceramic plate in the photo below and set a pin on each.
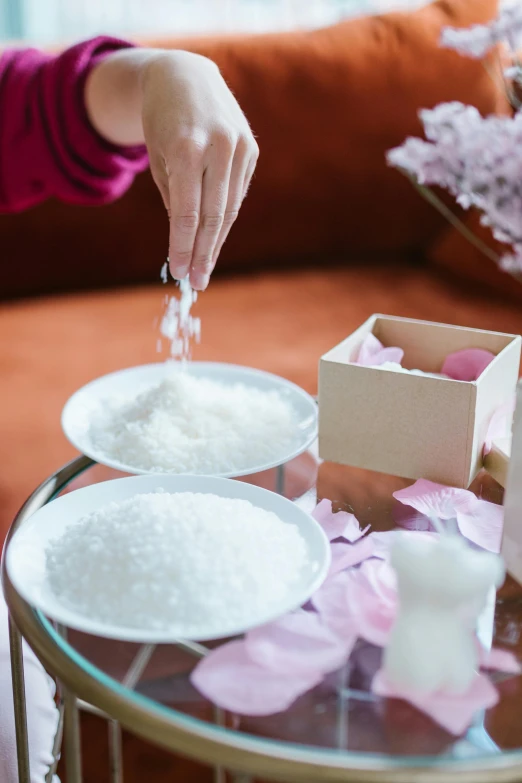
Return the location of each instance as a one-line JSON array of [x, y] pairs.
[[76, 413], [26, 565]]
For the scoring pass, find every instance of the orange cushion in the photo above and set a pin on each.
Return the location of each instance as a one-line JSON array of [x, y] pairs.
[[325, 106], [453, 251]]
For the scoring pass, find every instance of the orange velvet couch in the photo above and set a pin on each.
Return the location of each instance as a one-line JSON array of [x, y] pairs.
[[327, 236]]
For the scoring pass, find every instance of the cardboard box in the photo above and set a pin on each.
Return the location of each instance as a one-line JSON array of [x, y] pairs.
[[511, 549], [497, 461], [410, 425]]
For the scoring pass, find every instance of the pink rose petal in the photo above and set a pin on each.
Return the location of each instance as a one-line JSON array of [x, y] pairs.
[[339, 524], [332, 603], [348, 555], [453, 712], [360, 603], [467, 365], [297, 644], [478, 520], [229, 678], [436, 500], [372, 601], [408, 518], [483, 524], [500, 424], [372, 353], [499, 660]]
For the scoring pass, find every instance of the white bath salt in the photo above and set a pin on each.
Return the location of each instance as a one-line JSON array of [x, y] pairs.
[[187, 424], [396, 367], [178, 325], [159, 560]]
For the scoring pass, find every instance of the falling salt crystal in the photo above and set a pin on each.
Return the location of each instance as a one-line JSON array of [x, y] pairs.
[[165, 272], [178, 325]]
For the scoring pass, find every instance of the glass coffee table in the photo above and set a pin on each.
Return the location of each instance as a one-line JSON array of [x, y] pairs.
[[339, 731]]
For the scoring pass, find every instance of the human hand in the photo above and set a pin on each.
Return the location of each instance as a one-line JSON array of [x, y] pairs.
[[202, 157]]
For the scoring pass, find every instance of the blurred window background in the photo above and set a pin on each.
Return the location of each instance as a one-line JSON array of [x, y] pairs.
[[51, 21]]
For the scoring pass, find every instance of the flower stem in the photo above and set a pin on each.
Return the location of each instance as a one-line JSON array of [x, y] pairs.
[[446, 212]]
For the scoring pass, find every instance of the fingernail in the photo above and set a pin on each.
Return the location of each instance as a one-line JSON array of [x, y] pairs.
[[178, 272], [200, 281]]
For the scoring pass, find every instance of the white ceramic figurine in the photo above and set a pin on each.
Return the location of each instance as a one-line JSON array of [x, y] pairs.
[[443, 586]]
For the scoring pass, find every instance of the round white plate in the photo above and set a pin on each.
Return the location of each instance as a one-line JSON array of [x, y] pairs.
[[26, 564], [77, 410]]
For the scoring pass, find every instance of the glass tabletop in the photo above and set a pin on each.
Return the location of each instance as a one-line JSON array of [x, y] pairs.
[[341, 716]]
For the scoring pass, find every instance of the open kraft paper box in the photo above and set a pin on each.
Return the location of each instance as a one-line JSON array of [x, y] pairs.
[[413, 426], [511, 549]]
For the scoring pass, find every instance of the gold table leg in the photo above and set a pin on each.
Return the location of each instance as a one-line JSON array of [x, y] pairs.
[[72, 739], [115, 752], [19, 704], [130, 681], [220, 776]]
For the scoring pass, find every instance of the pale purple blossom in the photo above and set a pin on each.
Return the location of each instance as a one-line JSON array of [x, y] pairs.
[[478, 160], [512, 263], [476, 41]]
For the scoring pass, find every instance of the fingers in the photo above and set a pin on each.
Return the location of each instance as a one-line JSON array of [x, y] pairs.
[[245, 161], [250, 170], [214, 215], [185, 186], [158, 170], [203, 194], [235, 195]]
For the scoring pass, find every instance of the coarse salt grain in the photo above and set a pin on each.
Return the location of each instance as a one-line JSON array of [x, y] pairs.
[[178, 325], [189, 424], [162, 560]]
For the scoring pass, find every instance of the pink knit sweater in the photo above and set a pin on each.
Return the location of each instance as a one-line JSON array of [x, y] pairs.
[[48, 148]]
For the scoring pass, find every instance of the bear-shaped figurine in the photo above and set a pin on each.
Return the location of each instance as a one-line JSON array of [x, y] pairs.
[[443, 586]]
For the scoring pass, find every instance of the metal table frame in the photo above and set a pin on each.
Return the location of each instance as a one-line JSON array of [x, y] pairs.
[[78, 689]]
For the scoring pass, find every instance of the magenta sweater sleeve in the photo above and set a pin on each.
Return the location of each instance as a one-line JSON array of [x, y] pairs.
[[47, 145]]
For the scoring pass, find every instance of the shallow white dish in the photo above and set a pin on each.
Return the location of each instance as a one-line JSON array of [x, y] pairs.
[[26, 565], [77, 410]]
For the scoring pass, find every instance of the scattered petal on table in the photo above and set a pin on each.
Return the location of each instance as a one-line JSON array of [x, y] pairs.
[[436, 500], [339, 524], [478, 520], [467, 365], [297, 643], [500, 661], [454, 712], [332, 603], [483, 524], [372, 601], [348, 555], [409, 518], [500, 424], [372, 353], [360, 603], [229, 678]]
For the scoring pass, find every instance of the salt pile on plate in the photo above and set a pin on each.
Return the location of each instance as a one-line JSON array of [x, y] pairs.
[[159, 560], [189, 424]]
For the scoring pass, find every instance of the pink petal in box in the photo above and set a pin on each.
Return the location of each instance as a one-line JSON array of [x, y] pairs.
[[408, 424]]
